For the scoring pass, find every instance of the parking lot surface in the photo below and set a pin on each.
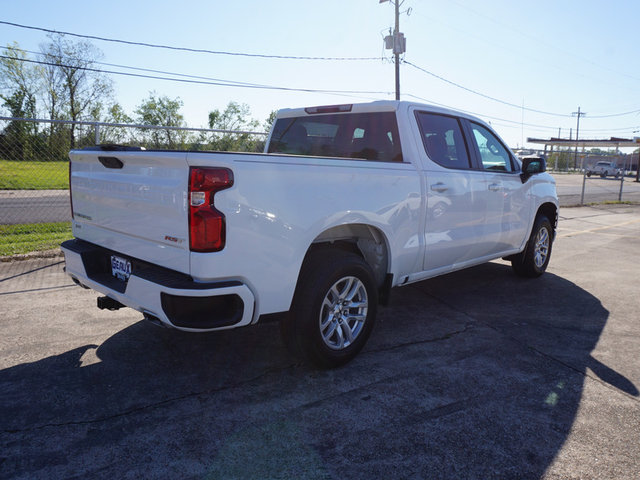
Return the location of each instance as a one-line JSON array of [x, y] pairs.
[[475, 375], [596, 189]]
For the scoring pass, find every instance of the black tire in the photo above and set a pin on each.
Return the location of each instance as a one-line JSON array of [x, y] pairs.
[[325, 273], [533, 261], [588, 174]]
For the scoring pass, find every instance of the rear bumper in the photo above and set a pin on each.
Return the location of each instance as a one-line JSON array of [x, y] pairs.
[[169, 296]]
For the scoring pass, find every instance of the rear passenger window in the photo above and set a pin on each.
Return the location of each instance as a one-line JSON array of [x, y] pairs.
[[443, 140], [369, 136]]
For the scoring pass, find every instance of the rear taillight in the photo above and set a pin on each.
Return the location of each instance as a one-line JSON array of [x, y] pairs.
[[206, 224], [70, 192]]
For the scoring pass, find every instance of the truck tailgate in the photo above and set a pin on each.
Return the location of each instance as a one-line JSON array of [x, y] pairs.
[[134, 202]]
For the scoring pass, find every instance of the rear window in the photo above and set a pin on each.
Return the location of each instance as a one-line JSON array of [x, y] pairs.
[[370, 136]]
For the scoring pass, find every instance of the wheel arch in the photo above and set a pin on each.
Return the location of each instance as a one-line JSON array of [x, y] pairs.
[[365, 240], [549, 210]]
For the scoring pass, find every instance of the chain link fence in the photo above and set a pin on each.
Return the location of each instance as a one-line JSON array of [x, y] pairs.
[[579, 185], [568, 162], [34, 180]]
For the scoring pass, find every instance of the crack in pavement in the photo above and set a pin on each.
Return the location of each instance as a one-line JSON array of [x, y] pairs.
[[446, 336]]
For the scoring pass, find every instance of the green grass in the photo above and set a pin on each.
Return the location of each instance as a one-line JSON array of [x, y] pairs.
[[26, 238], [612, 202], [28, 175]]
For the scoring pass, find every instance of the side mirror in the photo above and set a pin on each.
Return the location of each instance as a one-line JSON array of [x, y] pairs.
[[532, 166]]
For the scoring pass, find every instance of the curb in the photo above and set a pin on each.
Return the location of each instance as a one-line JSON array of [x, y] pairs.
[[55, 253]]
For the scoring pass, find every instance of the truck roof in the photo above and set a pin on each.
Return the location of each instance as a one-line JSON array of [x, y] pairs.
[[375, 106]]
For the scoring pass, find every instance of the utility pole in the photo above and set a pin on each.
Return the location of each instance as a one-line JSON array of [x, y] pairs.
[[396, 53], [575, 157], [637, 139], [397, 43]]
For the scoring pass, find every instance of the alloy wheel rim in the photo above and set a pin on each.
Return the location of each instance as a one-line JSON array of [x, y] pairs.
[[541, 250], [343, 313]]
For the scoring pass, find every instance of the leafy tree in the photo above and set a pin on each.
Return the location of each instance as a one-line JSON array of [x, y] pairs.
[[19, 78], [119, 135], [162, 111], [75, 87], [268, 123], [235, 117], [18, 90], [19, 140]]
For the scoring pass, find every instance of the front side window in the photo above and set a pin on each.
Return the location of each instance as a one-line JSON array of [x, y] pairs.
[[370, 136], [443, 140], [494, 155]]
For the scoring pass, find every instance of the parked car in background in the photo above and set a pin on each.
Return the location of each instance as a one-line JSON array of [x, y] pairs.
[[604, 169]]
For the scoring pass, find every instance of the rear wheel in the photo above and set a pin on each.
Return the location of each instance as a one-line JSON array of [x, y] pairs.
[[534, 260], [333, 310]]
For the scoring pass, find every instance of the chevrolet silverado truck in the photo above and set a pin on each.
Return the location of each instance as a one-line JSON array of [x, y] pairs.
[[347, 202]]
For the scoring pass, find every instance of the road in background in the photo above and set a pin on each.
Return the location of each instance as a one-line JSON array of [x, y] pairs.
[[34, 206]]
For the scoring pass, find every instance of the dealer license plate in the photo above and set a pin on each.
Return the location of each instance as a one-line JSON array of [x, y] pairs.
[[120, 268]]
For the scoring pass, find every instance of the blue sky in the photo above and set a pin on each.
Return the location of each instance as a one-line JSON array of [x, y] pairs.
[[551, 56]]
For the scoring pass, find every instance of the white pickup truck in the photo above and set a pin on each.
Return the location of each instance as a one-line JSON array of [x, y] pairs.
[[604, 169], [347, 202]]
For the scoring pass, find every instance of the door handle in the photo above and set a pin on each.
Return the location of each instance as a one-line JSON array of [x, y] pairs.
[[494, 187], [439, 187]]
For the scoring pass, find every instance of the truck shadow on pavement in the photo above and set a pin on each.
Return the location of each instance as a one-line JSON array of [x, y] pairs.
[[476, 374]]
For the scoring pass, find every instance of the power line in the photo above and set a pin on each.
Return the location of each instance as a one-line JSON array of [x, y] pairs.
[[186, 49], [615, 114], [540, 39], [518, 52], [193, 79], [519, 107], [475, 92], [222, 83], [250, 84], [478, 114], [621, 129], [287, 57], [517, 123], [163, 72]]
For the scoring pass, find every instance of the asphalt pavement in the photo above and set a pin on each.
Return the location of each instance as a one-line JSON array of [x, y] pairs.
[[474, 375], [34, 206], [596, 189]]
